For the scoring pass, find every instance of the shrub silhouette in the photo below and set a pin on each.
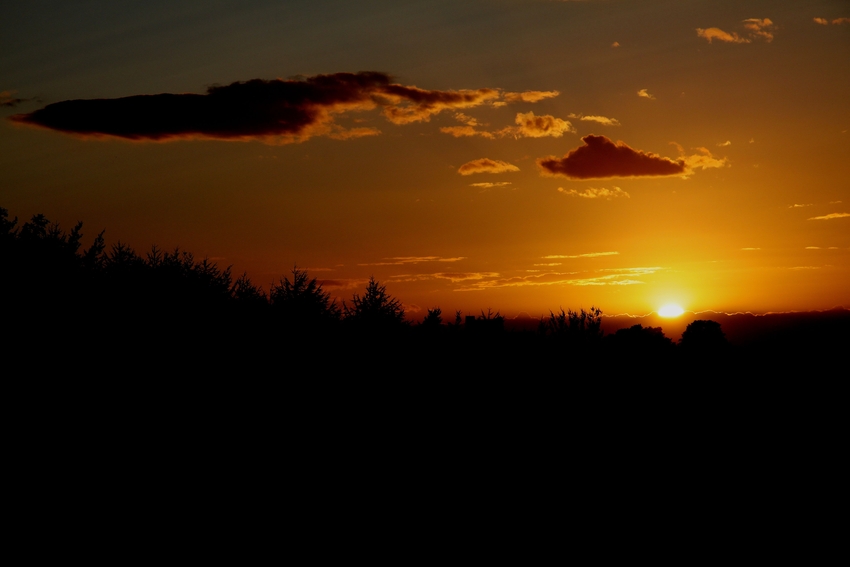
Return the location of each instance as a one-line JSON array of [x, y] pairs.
[[581, 326]]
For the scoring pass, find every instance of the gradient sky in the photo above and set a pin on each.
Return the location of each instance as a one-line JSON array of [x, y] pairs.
[[519, 155]]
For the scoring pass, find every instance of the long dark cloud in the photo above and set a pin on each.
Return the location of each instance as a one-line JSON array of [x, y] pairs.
[[276, 111], [599, 158]]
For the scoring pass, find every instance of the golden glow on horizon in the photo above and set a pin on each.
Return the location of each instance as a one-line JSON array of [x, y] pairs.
[[670, 310]]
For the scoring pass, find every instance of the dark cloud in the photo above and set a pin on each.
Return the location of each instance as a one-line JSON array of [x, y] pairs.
[[599, 158], [7, 99], [276, 111]]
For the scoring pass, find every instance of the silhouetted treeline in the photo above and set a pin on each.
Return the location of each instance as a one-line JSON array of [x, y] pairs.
[[112, 308]]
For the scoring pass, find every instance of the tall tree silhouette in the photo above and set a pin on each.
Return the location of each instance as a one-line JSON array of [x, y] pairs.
[[375, 309], [302, 303]]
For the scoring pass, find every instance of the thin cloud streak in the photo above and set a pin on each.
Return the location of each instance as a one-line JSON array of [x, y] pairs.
[[530, 96], [588, 255], [594, 193], [622, 277], [486, 185], [486, 165], [603, 120], [400, 260], [831, 216], [8, 99]]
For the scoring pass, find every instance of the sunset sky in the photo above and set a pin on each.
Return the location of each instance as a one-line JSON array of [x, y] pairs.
[[519, 155]]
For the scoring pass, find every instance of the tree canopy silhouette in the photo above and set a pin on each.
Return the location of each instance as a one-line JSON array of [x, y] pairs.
[[375, 309], [301, 302], [704, 336]]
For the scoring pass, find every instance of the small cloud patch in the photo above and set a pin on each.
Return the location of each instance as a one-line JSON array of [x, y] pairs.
[[486, 165], [756, 28], [831, 216], [594, 193]]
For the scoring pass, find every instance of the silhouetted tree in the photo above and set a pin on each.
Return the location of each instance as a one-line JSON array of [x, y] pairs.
[[301, 302], [244, 290], [434, 318], [704, 336], [639, 341], [487, 323], [375, 309]]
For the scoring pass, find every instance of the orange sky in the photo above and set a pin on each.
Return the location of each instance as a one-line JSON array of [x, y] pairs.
[[519, 155]]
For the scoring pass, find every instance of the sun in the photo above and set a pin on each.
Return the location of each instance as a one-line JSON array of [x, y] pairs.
[[670, 310]]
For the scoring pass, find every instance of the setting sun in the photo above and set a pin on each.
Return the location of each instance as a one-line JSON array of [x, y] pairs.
[[670, 310]]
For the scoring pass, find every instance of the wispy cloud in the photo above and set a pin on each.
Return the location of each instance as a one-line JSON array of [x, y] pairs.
[[750, 248], [468, 120], [586, 255], [400, 260], [490, 185], [836, 21], [530, 96], [724, 144], [486, 165], [528, 126], [638, 271], [598, 119], [536, 278], [760, 28], [594, 193], [8, 99], [703, 159], [831, 216], [466, 131], [615, 44], [756, 29], [799, 206], [644, 94], [600, 158], [454, 277], [716, 33], [531, 126]]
